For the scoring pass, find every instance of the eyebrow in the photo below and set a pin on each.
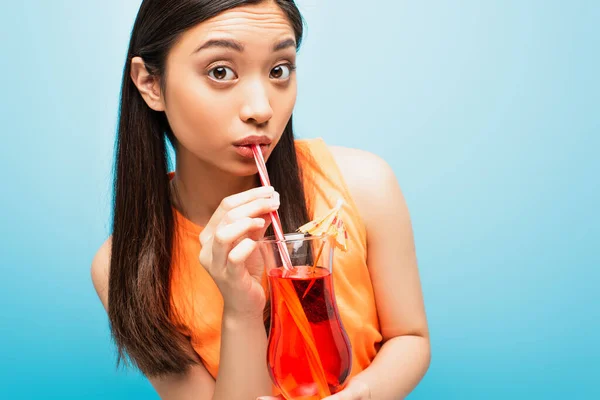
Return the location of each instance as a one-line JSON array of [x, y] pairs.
[[221, 43], [284, 44], [237, 46]]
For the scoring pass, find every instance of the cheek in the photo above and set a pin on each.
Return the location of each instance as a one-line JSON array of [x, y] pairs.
[[283, 104], [195, 112]]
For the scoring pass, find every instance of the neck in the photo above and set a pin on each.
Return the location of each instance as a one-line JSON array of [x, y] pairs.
[[198, 188]]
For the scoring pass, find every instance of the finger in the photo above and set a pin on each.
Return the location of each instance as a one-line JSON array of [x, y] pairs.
[[205, 256], [356, 390], [239, 254], [205, 237], [231, 202], [226, 236], [343, 395], [253, 208], [339, 396], [260, 233], [258, 208], [270, 398]]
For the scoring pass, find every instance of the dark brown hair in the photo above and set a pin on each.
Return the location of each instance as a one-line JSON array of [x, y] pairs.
[[139, 305]]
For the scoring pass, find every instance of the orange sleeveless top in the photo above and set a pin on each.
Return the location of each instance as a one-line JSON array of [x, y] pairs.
[[198, 304]]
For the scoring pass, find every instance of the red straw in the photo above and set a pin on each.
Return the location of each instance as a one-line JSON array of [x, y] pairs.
[[264, 178]]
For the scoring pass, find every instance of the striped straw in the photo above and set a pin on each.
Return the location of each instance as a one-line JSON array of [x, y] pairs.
[[264, 178]]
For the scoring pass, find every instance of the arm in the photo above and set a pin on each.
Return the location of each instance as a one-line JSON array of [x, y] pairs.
[[240, 353], [243, 348], [405, 355]]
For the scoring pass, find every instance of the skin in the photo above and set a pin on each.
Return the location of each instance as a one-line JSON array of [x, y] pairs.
[[248, 100], [257, 96]]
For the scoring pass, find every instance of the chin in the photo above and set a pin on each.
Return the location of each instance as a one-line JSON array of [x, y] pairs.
[[241, 168]]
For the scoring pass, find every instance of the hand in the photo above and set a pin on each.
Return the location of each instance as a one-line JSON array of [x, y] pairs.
[[356, 390], [229, 252]]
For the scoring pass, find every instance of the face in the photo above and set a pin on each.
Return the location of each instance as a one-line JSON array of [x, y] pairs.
[[230, 82]]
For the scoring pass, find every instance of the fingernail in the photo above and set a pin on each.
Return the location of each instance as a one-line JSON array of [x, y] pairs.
[[275, 201]]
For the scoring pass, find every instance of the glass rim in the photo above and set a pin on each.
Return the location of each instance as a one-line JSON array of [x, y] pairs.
[[296, 237]]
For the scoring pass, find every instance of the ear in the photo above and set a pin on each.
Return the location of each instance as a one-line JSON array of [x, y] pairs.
[[147, 84]]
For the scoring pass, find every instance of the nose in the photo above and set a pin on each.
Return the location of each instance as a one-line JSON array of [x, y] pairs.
[[256, 107]]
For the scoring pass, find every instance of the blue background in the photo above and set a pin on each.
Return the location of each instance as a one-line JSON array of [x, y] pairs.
[[487, 111]]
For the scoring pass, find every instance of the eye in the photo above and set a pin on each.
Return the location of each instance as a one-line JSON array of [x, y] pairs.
[[282, 71], [222, 74]]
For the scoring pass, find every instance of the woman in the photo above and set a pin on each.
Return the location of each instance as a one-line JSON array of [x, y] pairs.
[[214, 77]]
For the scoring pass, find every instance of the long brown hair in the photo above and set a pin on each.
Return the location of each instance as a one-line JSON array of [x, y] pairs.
[[139, 305]]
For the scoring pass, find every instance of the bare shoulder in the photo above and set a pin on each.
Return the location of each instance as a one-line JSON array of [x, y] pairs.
[[370, 180], [100, 271], [391, 257]]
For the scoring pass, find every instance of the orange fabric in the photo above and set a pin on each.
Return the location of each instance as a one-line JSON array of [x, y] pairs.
[[198, 304]]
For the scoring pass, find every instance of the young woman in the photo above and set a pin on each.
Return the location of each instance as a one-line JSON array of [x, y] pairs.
[[212, 78]]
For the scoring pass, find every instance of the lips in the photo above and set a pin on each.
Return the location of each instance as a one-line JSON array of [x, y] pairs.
[[253, 140], [246, 151], [244, 146]]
